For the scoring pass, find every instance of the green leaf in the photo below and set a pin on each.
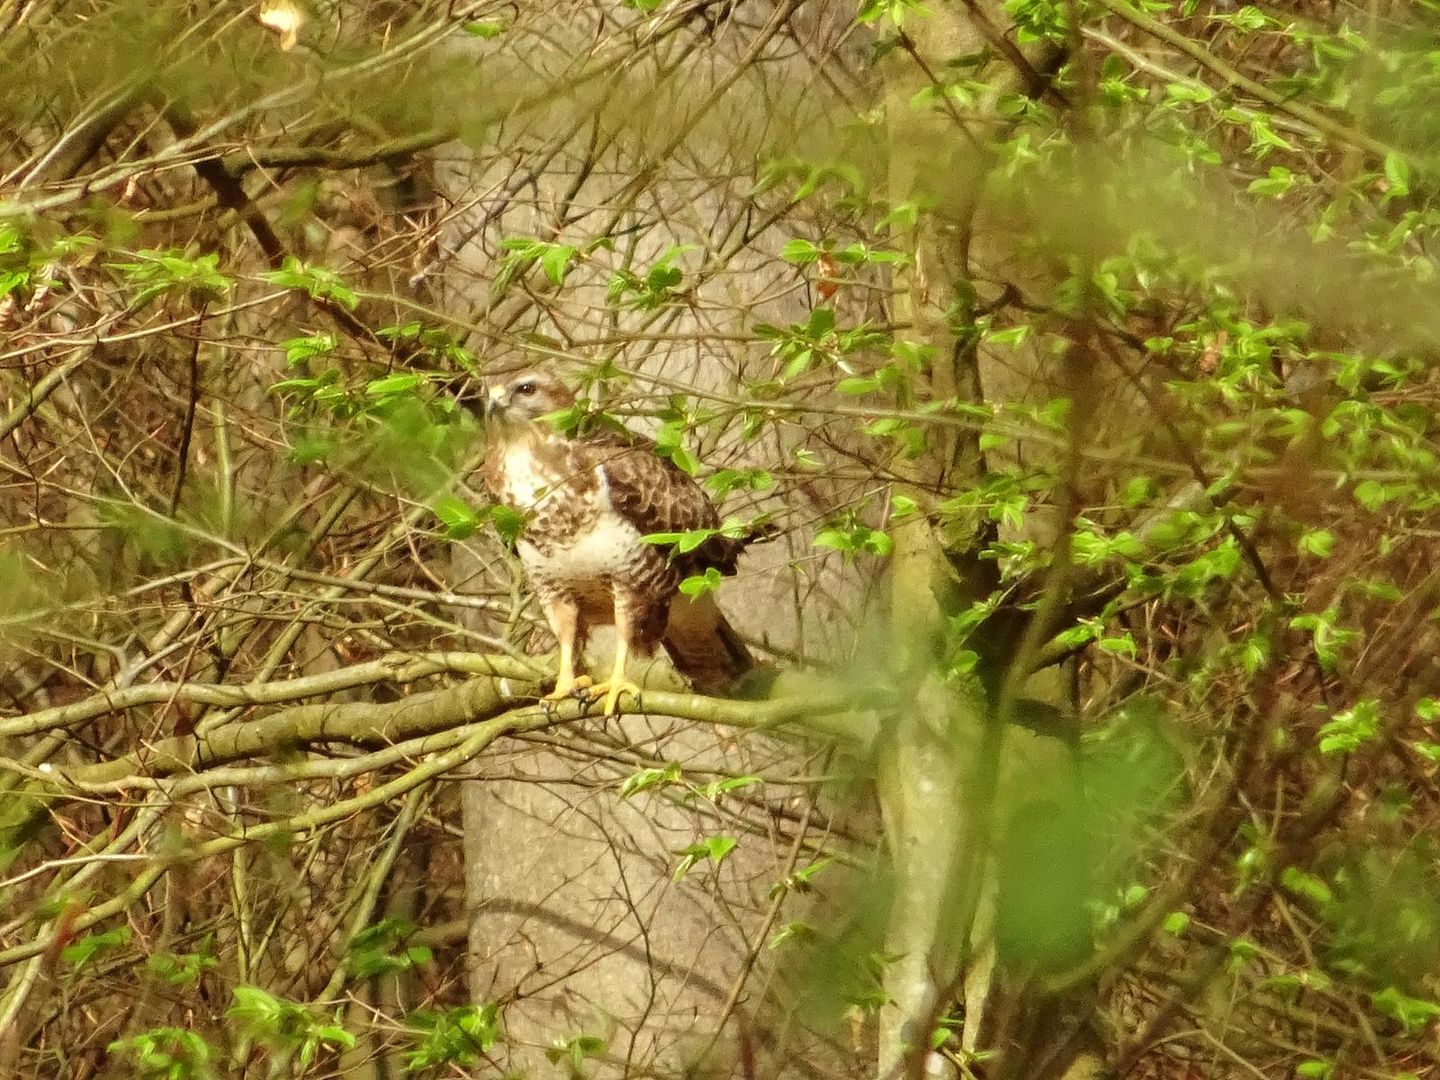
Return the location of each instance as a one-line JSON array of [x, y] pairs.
[[724, 481], [401, 332], [800, 251], [455, 1037], [893, 10], [716, 788], [318, 281], [1264, 135], [857, 385], [699, 584], [1318, 542], [300, 349], [1242, 952], [683, 542], [1306, 885], [1248, 19], [391, 385], [797, 931], [820, 324], [335, 1035], [310, 449], [1277, 183], [167, 1053], [555, 261], [381, 950], [1255, 653], [283, 1025], [1428, 750], [713, 848], [684, 460], [1413, 1014], [1371, 494], [82, 951], [1188, 92], [1012, 337], [645, 779], [574, 1050], [179, 969], [285, 385], [1397, 175], [1176, 923], [1125, 643], [886, 426], [1328, 638], [802, 880], [159, 273], [1351, 729], [852, 538], [11, 280], [509, 523], [902, 506], [455, 514]]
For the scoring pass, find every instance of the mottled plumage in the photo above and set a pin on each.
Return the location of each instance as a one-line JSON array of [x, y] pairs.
[[586, 502]]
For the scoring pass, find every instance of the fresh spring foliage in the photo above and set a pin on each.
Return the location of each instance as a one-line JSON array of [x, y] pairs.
[[1075, 362]]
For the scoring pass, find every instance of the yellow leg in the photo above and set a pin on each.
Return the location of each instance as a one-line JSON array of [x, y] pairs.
[[617, 684], [564, 620]]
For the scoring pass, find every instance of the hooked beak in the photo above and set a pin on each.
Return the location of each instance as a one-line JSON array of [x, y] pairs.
[[494, 403]]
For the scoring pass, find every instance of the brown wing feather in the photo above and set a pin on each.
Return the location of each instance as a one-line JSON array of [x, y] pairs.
[[657, 497], [490, 470]]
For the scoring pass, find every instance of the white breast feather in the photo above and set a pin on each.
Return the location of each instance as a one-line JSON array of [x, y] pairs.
[[525, 486], [596, 553]]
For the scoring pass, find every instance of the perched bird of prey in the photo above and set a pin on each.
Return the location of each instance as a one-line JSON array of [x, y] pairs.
[[587, 500]]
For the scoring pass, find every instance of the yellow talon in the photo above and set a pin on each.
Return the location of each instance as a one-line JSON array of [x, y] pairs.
[[565, 688], [611, 689], [617, 684]]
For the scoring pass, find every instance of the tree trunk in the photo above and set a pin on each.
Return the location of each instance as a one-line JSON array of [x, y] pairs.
[[922, 780]]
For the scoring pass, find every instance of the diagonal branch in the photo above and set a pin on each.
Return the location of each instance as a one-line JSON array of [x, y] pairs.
[[1322, 122]]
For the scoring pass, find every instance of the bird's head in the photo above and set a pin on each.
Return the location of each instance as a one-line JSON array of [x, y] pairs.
[[524, 398]]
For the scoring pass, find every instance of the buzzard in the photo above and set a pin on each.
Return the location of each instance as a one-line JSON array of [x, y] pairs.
[[587, 501]]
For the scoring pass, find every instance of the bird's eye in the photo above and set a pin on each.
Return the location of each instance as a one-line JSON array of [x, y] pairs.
[[525, 388]]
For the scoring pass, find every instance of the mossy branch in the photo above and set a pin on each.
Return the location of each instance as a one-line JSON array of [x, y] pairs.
[[473, 714], [498, 692]]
